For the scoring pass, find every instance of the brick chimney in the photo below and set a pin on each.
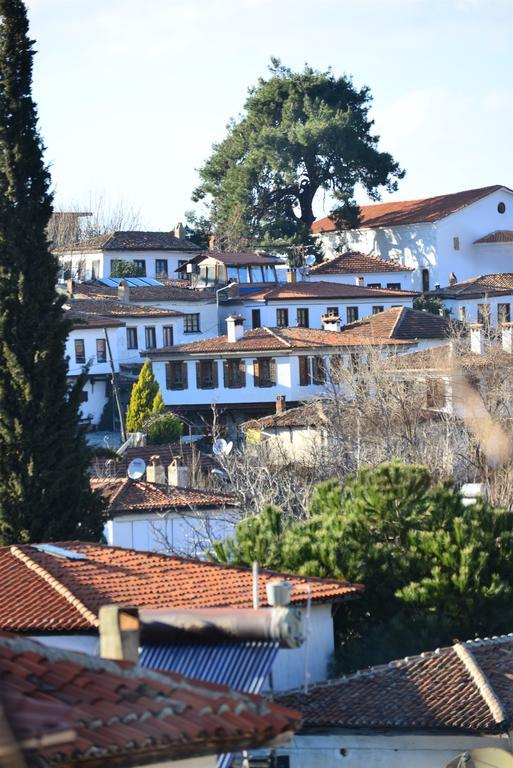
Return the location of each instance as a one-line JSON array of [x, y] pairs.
[[476, 339], [155, 472], [124, 292], [234, 328], [330, 322], [211, 242], [179, 231], [280, 404], [291, 275]]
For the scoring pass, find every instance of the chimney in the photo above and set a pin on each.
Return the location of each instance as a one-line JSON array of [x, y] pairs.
[[155, 472], [124, 292], [70, 288], [119, 633], [359, 281], [291, 275], [178, 474], [476, 339], [452, 279], [280, 403], [330, 322], [234, 328], [211, 242], [179, 231], [507, 337]]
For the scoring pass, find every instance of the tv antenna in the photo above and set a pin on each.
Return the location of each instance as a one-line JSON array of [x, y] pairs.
[[136, 469]]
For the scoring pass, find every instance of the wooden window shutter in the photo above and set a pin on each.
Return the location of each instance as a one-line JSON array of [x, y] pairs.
[[272, 372], [214, 374], [185, 382], [168, 376], [226, 374], [242, 373], [256, 373], [199, 382], [303, 371]]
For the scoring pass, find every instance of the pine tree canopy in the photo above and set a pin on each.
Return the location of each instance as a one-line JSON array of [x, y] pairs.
[[300, 133], [44, 487], [433, 569]]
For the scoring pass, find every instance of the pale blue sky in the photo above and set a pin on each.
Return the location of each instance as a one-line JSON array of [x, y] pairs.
[[132, 93]]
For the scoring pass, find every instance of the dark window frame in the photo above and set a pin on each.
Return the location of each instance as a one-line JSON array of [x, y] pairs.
[[150, 332], [256, 318], [191, 323], [206, 374], [303, 317], [503, 312], [378, 309], [164, 272], [176, 382], [168, 330], [80, 356], [101, 356], [141, 264], [352, 315], [394, 286], [132, 341], [282, 317]]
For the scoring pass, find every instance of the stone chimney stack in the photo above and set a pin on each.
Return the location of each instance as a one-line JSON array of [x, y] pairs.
[[507, 337], [452, 279], [280, 403], [211, 242], [360, 281], [179, 231], [155, 472], [124, 292], [291, 275], [330, 322], [234, 328], [178, 474], [476, 339]]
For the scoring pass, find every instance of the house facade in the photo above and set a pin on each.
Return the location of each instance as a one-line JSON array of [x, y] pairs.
[[437, 236], [359, 268], [485, 299]]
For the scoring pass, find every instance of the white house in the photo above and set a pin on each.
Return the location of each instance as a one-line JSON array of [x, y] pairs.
[[485, 299], [215, 269], [242, 371], [424, 711], [303, 304], [363, 269], [437, 236], [155, 254]]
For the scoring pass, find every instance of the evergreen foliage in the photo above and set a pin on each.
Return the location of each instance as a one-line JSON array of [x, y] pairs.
[[433, 569], [142, 399], [165, 428], [430, 304], [300, 133], [121, 268], [44, 487]]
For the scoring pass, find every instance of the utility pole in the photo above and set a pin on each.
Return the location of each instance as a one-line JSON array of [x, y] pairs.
[[115, 389]]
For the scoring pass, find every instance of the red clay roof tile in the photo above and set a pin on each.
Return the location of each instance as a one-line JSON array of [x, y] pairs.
[[353, 261], [124, 495], [499, 236]]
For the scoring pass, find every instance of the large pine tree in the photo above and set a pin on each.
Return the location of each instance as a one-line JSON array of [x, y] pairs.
[[44, 489]]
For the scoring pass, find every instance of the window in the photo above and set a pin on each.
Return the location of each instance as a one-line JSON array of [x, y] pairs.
[[318, 370], [463, 314], [234, 374], [456, 243], [161, 267], [150, 337], [131, 338], [95, 269], [140, 265], [101, 350], [425, 279], [84, 396], [264, 372], [333, 311], [182, 275], [302, 318], [304, 377], [501, 208], [484, 314], [377, 310], [206, 374], [191, 323], [354, 360], [282, 318], [255, 318], [79, 351], [503, 313], [352, 314], [394, 286], [176, 375], [373, 285], [167, 335]]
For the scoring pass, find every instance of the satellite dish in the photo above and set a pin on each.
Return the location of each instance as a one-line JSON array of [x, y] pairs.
[[219, 447], [310, 260], [136, 469], [220, 474], [228, 448]]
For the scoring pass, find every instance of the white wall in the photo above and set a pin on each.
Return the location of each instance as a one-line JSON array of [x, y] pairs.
[[382, 750], [106, 257], [471, 307], [301, 444], [404, 278]]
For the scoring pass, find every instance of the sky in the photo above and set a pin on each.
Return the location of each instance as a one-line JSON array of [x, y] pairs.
[[133, 93]]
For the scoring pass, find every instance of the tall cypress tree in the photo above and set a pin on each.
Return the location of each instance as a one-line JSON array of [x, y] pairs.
[[44, 489]]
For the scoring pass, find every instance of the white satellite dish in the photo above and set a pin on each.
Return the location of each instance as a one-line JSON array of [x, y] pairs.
[[228, 448], [136, 469], [310, 260], [219, 447]]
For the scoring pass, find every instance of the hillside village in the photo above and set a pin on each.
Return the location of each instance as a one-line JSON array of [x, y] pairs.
[[256, 472]]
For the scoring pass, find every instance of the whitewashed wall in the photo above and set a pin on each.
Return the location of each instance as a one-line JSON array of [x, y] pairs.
[[405, 278], [300, 444], [347, 749], [470, 306], [87, 260]]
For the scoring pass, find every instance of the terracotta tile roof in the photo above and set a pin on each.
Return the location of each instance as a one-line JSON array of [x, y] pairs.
[[493, 285], [42, 592], [96, 310], [308, 415], [131, 241], [125, 496], [467, 687], [353, 261], [321, 289], [167, 451], [401, 323], [168, 290], [124, 715], [499, 236], [233, 259], [269, 340], [443, 359], [396, 213]]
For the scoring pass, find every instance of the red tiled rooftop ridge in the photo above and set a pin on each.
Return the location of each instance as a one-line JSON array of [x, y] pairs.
[[324, 289], [401, 324], [33, 601], [123, 715], [397, 213], [499, 236], [354, 261], [465, 687], [126, 495]]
